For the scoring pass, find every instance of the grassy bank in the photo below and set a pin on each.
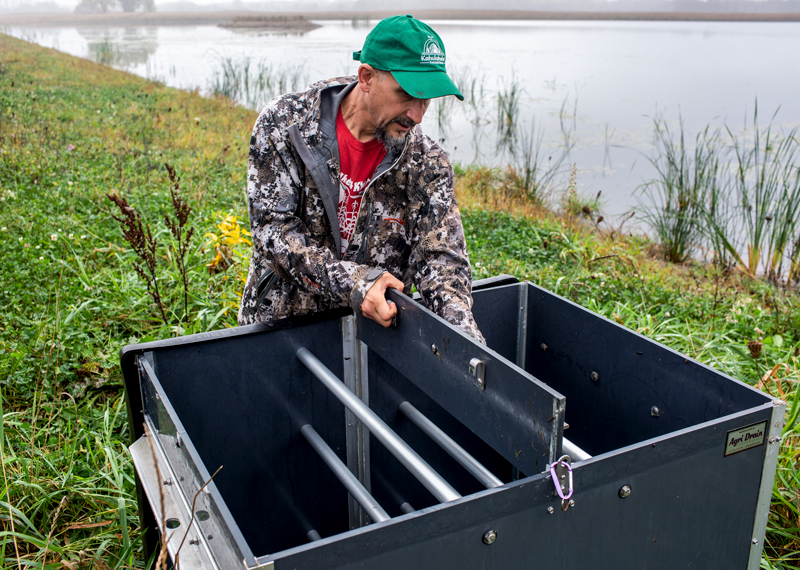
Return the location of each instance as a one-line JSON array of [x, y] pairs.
[[72, 132]]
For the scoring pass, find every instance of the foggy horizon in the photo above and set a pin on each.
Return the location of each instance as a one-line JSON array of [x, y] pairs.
[[312, 6]]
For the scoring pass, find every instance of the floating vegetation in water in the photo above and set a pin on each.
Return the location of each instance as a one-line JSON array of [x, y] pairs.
[[535, 174], [104, 51], [508, 111], [253, 83]]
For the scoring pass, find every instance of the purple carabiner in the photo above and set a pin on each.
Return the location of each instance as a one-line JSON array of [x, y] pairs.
[[557, 483]]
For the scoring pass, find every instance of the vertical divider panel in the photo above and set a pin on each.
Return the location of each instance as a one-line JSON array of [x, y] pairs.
[[510, 410]]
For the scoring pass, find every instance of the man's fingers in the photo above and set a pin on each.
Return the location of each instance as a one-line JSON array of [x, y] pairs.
[[390, 281], [386, 311], [375, 306], [381, 313]]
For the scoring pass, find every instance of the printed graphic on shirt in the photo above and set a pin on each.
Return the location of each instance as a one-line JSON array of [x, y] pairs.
[[358, 161], [350, 198]]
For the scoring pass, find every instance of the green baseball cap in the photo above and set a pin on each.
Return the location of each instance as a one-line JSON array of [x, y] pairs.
[[413, 53]]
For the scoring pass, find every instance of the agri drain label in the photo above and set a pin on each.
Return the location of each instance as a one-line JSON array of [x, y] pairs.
[[745, 438]]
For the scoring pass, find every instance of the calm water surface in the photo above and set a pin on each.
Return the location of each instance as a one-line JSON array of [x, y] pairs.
[[594, 85]]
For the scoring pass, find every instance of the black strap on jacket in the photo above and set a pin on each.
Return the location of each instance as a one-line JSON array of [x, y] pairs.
[[263, 286]]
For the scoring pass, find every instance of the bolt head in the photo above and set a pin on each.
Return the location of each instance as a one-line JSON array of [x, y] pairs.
[[434, 349], [489, 536], [572, 502], [550, 510], [595, 376], [755, 541], [655, 412], [624, 491]]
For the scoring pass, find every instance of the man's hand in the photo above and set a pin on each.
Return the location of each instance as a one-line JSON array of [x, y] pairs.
[[375, 306]]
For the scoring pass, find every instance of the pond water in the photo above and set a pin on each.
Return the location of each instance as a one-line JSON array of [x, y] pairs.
[[594, 87]]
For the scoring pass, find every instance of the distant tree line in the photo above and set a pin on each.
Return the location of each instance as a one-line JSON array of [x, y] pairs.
[[708, 6], [99, 6]]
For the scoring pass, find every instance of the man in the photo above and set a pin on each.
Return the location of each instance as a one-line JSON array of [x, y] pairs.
[[349, 198]]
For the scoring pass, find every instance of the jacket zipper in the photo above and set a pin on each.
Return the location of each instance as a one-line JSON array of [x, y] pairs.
[[362, 251]]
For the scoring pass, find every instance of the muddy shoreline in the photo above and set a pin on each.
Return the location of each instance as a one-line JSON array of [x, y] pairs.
[[290, 19]]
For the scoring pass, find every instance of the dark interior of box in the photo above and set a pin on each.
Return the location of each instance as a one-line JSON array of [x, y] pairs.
[[621, 388], [243, 401]]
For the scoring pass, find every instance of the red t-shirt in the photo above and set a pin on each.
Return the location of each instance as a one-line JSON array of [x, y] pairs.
[[358, 162]]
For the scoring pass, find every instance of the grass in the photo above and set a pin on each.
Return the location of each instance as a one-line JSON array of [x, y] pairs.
[[72, 131], [253, 83], [677, 197], [737, 198]]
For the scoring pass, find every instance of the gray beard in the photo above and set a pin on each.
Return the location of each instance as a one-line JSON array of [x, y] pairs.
[[394, 145]]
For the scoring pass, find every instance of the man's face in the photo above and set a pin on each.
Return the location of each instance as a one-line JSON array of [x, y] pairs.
[[394, 112]]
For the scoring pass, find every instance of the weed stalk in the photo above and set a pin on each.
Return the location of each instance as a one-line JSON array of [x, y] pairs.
[[143, 243], [182, 234]]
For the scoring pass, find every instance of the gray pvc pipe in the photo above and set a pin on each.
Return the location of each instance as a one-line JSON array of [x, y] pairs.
[[418, 467], [477, 470], [575, 453], [353, 485]]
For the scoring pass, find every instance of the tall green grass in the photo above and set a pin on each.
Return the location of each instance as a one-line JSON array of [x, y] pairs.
[[676, 199], [766, 186], [735, 196]]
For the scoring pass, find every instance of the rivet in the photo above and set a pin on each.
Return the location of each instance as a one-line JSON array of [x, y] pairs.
[[543, 346], [595, 376], [489, 536], [550, 510], [572, 502], [624, 491], [167, 481], [655, 412], [755, 541], [434, 349]]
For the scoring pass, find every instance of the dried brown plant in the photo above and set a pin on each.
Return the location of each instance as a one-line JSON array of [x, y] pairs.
[[182, 234], [754, 346], [143, 243]]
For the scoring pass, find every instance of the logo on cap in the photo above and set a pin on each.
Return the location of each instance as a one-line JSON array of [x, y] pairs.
[[432, 53]]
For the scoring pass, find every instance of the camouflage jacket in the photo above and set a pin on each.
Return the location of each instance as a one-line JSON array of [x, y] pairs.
[[409, 223]]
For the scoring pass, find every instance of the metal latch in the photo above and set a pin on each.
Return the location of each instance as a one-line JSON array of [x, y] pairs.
[[477, 368], [561, 472]]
